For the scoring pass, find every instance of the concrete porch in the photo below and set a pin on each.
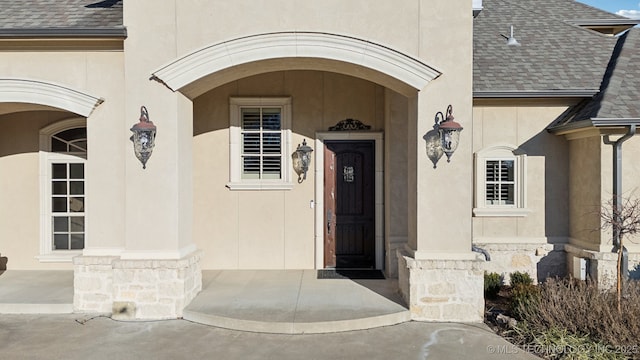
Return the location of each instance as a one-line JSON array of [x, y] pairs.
[[269, 301], [36, 292], [294, 302]]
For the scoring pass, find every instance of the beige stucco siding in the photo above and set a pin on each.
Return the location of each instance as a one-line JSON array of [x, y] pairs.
[[630, 185], [268, 229], [393, 23], [523, 126], [20, 188], [414, 28], [91, 73], [585, 191]]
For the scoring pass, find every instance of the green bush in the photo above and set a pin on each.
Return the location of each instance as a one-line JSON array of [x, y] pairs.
[[520, 278], [524, 299], [492, 284]]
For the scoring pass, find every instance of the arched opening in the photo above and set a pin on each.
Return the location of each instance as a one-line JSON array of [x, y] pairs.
[[34, 94], [294, 51], [325, 78]]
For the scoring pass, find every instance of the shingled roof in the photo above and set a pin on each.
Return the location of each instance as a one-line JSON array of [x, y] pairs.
[[618, 102], [20, 18], [555, 55]]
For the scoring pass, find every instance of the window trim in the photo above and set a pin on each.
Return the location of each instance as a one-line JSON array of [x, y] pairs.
[[501, 152], [47, 254], [236, 182]]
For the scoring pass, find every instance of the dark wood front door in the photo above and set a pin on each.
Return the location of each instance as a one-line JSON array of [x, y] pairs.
[[349, 188]]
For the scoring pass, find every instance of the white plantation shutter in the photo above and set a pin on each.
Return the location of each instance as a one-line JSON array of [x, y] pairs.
[[500, 182], [261, 131]]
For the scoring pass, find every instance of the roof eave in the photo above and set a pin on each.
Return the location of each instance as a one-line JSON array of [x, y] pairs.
[[602, 122], [604, 22], [64, 33], [594, 123], [530, 94]]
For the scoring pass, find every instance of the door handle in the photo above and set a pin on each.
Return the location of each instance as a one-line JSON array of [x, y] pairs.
[[329, 215]]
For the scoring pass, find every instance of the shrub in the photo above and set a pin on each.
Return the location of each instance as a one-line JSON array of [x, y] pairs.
[[492, 284], [582, 310], [524, 300], [520, 278], [555, 343]]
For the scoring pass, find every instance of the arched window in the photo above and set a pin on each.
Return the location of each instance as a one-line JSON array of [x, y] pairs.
[[63, 156], [500, 182]]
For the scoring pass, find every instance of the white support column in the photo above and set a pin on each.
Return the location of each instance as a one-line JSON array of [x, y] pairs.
[[440, 278], [157, 272]]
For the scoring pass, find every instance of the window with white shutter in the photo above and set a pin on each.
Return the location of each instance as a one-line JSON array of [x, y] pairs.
[[500, 182], [259, 143], [63, 157]]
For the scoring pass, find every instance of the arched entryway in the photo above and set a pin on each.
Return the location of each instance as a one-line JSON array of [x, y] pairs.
[[312, 81], [42, 190]]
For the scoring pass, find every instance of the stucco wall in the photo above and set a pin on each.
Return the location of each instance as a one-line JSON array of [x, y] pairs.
[[533, 242], [524, 126], [97, 73], [415, 28], [393, 23], [585, 191], [20, 188], [268, 229], [594, 188]]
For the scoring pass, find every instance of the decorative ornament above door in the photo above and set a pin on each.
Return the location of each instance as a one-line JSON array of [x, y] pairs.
[[349, 125]]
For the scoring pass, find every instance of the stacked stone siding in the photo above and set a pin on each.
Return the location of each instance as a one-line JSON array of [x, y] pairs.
[[442, 290], [93, 283], [602, 266], [538, 260], [136, 289]]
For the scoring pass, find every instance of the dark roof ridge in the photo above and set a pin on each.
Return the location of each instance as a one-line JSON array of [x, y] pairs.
[[564, 22], [65, 32], [613, 105], [598, 10]]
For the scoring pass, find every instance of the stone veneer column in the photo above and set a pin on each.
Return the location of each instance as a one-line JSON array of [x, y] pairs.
[[93, 283], [602, 266], [136, 289], [442, 290]]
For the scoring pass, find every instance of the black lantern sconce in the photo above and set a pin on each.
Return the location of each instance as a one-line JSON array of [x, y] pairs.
[[449, 131], [444, 137], [144, 137], [301, 160]]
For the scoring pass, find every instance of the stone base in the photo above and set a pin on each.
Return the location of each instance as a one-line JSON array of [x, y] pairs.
[[540, 261], [136, 289], [442, 290], [602, 267]]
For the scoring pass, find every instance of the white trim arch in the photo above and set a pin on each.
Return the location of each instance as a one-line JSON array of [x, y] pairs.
[[501, 152], [300, 45], [49, 94]]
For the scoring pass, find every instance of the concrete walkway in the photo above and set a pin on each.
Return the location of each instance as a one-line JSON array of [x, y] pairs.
[[294, 302], [36, 292], [76, 336], [291, 303]]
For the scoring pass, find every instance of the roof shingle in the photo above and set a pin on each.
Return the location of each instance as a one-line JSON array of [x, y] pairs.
[[44, 14], [555, 55]]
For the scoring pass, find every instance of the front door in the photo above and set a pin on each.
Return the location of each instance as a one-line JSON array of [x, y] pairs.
[[349, 188]]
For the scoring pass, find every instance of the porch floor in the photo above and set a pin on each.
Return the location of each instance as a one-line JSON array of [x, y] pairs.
[[268, 301], [294, 302], [36, 292]]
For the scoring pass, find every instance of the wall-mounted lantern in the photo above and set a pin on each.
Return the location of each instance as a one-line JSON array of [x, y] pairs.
[[449, 131], [144, 137], [301, 160]]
